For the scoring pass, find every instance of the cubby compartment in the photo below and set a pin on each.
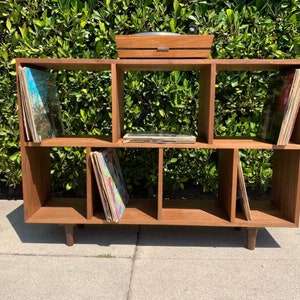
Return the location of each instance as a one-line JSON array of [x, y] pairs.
[[142, 186], [193, 204], [243, 92], [47, 205], [85, 98], [153, 100], [148, 96], [82, 122], [237, 86], [280, 203]]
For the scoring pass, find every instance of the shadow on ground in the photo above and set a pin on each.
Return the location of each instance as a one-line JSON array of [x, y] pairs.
[[105, 235]]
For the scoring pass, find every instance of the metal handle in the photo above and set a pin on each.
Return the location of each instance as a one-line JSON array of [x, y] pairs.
[[162, 48]]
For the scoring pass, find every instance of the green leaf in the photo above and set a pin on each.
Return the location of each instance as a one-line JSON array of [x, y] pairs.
[[39, 23], [83, 115], [15, 156], [8, 24], [5, 55], [23, 31], [173, 25], [162, 112], [175, 6], [68, 186]]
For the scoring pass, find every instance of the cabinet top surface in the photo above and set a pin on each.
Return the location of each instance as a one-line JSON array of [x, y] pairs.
[[158, 64]]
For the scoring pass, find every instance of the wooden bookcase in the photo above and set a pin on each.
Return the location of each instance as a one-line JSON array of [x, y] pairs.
[[282, 210]]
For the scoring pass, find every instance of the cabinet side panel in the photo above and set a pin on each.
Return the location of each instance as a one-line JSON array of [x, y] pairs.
[[36, 178], [286, 183], [206, 103], [228, 180], [117, 76]]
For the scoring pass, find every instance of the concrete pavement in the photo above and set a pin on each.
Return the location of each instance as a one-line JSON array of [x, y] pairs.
[[144, 262]]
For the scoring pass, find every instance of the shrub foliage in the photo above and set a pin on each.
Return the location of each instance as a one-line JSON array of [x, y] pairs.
[[86, 29]]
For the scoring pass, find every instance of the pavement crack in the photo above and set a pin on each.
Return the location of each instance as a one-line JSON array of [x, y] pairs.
[[133, 263]]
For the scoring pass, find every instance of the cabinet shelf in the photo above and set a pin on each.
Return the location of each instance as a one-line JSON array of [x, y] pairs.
[[159, 64], [176, 212], [281, 211], [74, 141], [106, 141]]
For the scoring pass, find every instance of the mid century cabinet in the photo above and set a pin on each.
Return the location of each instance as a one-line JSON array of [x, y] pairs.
[[281, 210]]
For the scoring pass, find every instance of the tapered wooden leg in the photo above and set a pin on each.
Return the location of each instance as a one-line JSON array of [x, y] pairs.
[[251, 235], [69, 230]]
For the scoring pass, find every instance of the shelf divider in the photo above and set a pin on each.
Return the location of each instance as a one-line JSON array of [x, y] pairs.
[[206, 103], [228, 159], [117, 85], [160, 182]]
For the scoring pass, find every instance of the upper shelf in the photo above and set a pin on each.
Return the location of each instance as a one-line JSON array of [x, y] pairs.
[[159, 64], [106, 141]]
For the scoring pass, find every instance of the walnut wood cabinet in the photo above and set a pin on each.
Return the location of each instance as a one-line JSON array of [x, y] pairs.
[[281, 210]]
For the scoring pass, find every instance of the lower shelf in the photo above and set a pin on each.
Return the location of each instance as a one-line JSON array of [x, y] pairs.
[[175, 212]]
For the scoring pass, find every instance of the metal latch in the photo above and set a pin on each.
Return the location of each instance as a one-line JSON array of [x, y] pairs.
[[162, 48]]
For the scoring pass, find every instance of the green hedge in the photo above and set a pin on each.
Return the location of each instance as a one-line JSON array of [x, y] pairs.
[[62, 28]]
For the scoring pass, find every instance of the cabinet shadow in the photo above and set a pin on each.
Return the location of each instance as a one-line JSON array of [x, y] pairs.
[[143, 235]]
